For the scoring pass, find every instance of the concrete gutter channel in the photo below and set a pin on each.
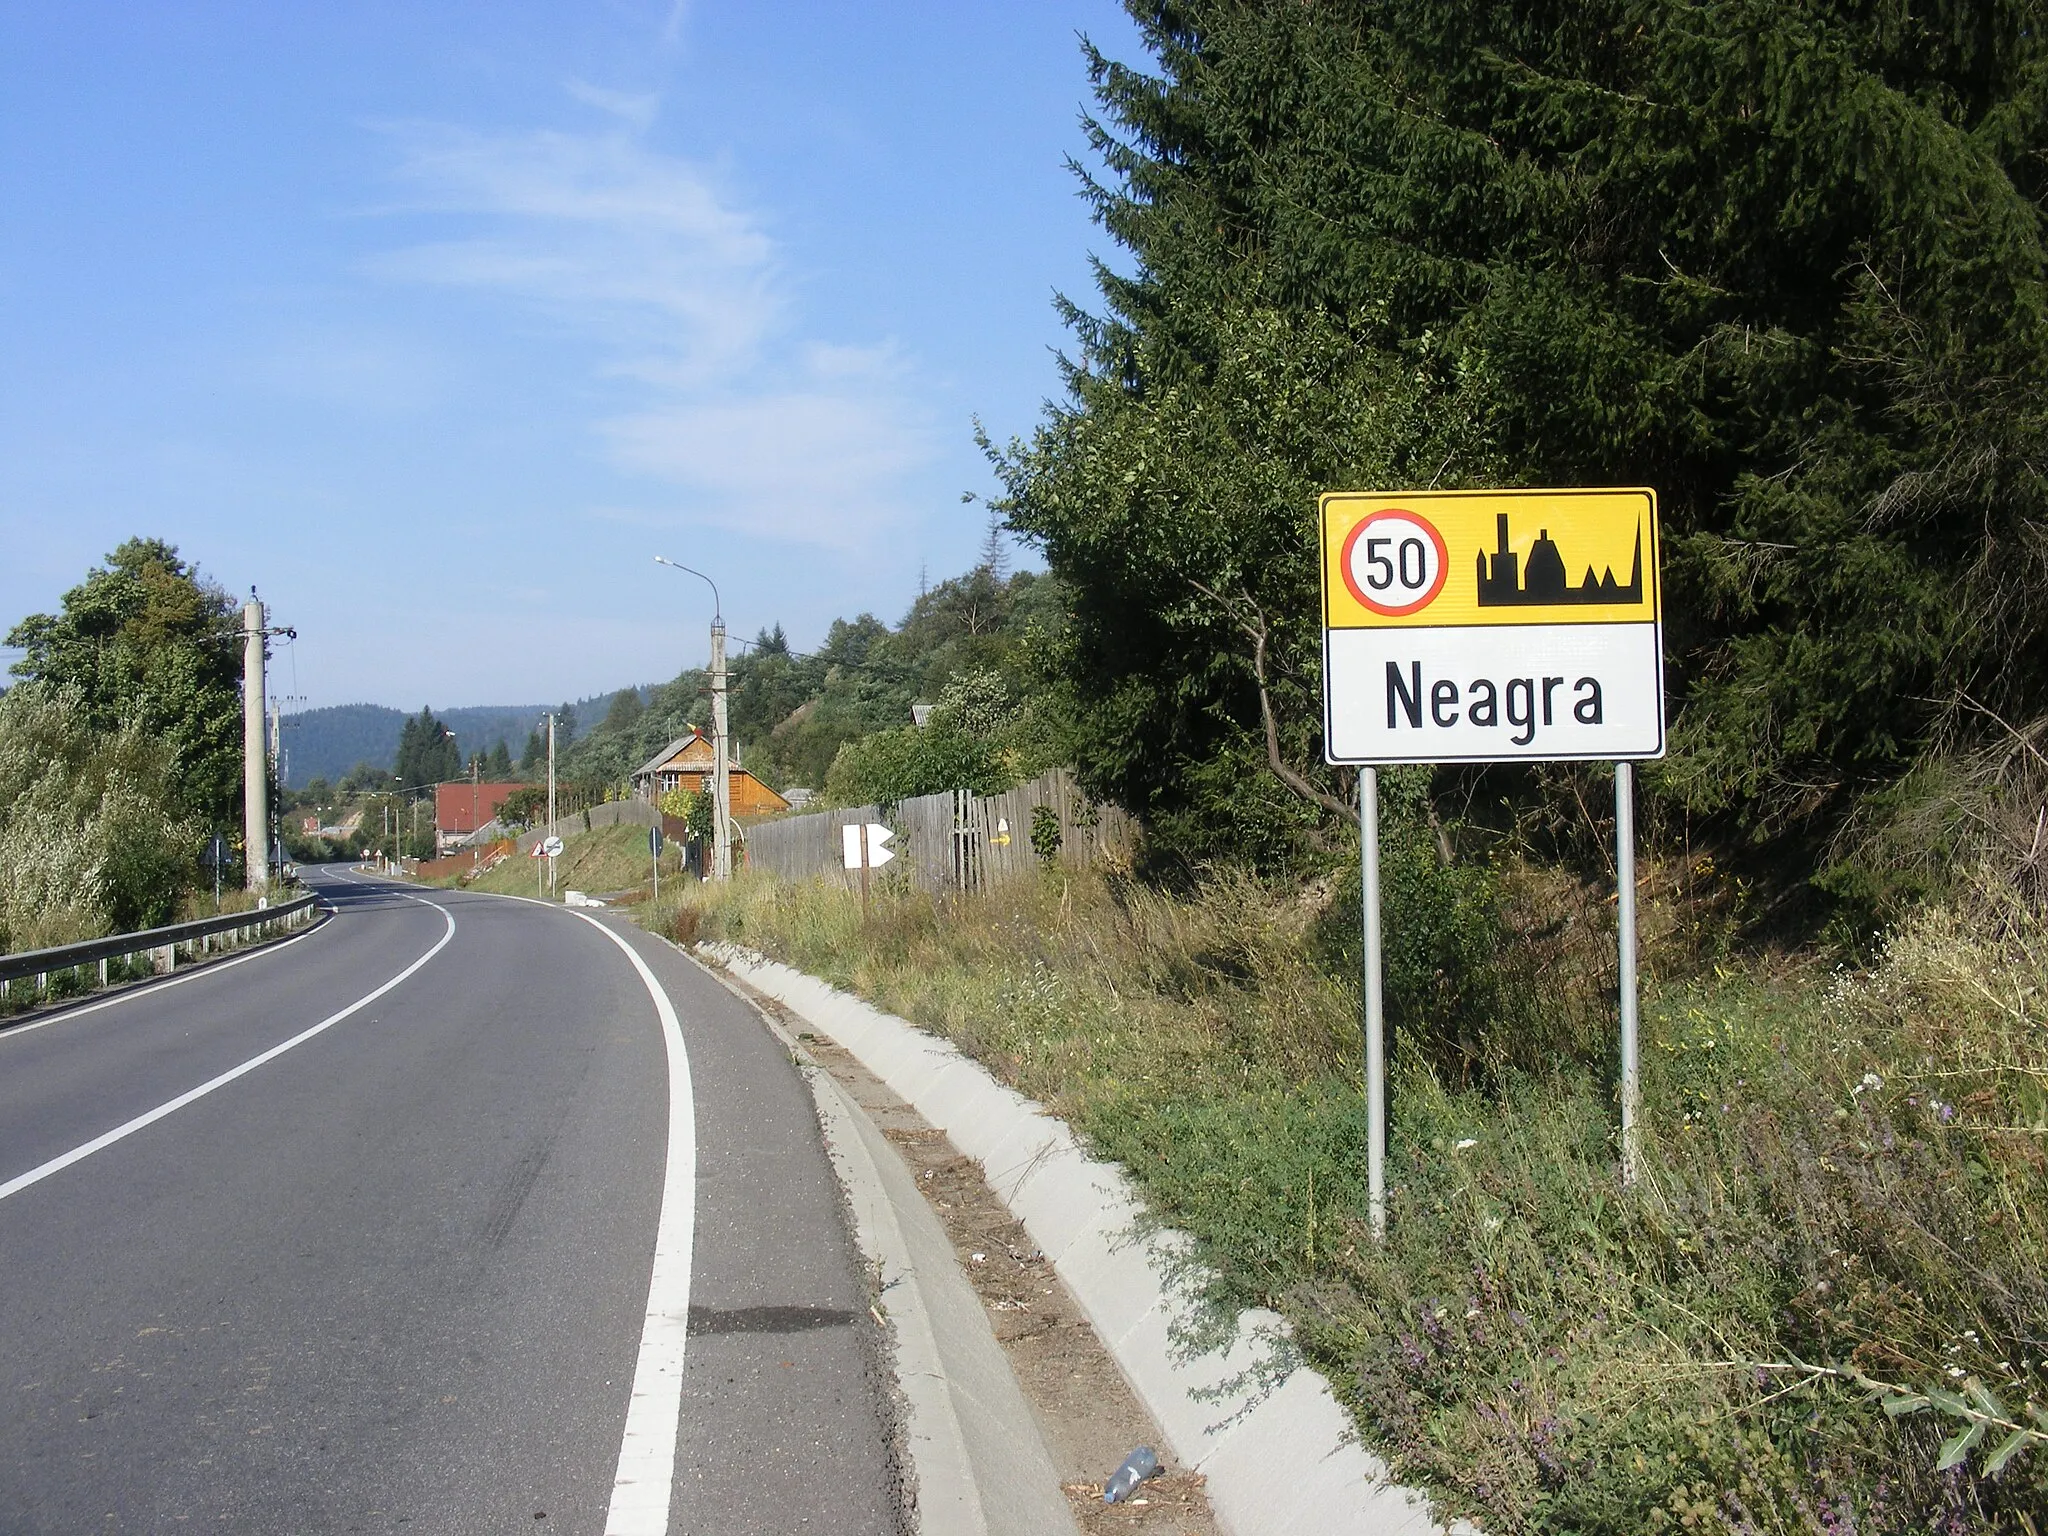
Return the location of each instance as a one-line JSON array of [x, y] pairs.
[[981, 1465], [1274, 1445]]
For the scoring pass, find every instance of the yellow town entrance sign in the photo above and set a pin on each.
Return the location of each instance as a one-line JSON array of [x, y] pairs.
[[1483, 626]]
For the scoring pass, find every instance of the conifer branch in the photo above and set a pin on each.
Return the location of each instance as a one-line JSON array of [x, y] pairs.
[[1255, 627]]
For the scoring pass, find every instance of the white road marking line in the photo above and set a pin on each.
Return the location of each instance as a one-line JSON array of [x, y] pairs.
[[213, 968], [120, 1132], [642, 1486]]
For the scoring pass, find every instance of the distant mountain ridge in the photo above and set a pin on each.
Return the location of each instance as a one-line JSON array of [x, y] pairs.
[[327, 743]]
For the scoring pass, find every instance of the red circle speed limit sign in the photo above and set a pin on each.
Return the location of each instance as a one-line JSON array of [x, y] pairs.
[[1395, 562]]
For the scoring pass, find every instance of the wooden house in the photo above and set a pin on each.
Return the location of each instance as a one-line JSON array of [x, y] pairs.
[[686, 764]]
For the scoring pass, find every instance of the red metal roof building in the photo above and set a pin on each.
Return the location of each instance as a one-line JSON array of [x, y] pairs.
[[461, 807]]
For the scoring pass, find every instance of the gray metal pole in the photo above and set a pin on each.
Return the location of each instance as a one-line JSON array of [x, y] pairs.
[[1375, 1003], [721, 779], [255, 768], [1625, 924], [551, 799]]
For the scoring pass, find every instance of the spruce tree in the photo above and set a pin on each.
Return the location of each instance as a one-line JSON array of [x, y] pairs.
[[625, 711], [427, 752], [1782, 260]]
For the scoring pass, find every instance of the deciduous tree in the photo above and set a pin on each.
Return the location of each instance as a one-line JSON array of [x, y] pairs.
[[146, 643]]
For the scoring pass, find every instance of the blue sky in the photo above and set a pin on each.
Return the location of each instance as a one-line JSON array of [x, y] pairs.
[[436, 322]]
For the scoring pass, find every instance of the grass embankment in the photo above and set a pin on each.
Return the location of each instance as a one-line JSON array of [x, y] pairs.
[[1842, 1184], [606, 860]]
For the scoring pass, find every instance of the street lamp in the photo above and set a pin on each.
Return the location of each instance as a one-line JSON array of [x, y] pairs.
[[721, 782], [718, 608]]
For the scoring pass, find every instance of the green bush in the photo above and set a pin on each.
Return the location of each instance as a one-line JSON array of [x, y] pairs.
[[964, 744], [1046, 835], [1449, 996]]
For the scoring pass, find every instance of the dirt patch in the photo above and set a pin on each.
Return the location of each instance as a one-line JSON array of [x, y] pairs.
[[1086, 1412]]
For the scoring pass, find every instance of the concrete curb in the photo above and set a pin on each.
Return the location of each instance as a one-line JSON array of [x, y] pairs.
[[982, 1469], [1275, 1446]]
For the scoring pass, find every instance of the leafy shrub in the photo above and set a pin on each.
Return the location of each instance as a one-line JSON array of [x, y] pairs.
[[89, 842], [523, 806], [964, 744], [1046, 835]]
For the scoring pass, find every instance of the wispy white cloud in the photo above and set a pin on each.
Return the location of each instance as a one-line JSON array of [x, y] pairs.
[[809, 466], [639, 109], [672, 27], [626, 244], [683, 291]]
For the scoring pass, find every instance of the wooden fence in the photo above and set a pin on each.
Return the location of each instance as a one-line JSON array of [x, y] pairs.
[[954, 841]]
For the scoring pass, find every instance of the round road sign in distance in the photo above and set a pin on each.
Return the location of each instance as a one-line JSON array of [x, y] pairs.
[[1395, 562]]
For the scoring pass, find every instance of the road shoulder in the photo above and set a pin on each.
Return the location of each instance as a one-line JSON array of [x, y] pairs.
[[1278, 1450], [1063, 1415]]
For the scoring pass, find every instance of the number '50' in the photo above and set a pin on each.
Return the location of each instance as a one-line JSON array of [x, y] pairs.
[[1409, 564]]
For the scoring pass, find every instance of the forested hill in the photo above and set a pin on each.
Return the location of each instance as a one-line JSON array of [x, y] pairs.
[[327, 743], [980, 647]]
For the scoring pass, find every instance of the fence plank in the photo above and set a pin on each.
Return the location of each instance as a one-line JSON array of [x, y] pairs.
[[946, 842]]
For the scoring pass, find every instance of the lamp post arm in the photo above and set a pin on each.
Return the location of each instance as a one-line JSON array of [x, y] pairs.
[[717, 604]]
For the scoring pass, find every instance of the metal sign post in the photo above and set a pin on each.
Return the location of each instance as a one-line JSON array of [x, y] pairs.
[[1375, 1002], [1485, 627], [1625, 933]]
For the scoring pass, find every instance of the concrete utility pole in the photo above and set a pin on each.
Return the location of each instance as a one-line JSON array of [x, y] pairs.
[[255, 768], [721, 747], [721, 773], [551, 798]]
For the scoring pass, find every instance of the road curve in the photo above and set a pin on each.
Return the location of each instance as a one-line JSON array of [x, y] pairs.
[[395, 1276]]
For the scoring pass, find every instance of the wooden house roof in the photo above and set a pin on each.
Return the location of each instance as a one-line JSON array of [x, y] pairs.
[[684, 752]]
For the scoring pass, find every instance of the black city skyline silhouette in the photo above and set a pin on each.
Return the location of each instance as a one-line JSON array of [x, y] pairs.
[[1544, 582]]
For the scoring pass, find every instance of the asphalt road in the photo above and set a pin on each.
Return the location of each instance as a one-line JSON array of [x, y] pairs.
[[396, 1277]]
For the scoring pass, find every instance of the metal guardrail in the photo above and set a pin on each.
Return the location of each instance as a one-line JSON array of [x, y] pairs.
[[163, 942]]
